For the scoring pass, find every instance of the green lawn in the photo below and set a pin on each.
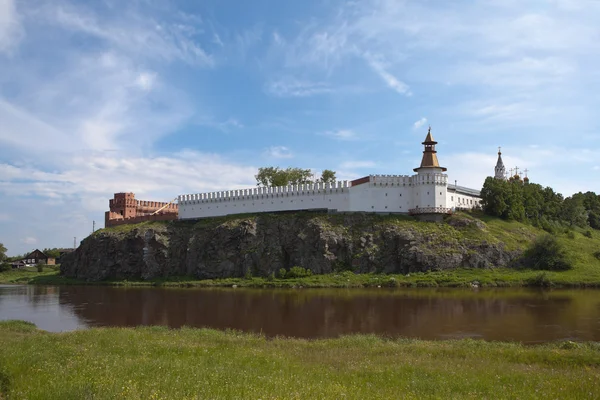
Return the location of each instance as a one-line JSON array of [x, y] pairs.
[[158, 363]]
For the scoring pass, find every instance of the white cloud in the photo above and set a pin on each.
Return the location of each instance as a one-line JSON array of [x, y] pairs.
[[145, 80], [136, 33], [418, 124], [291, 87], [380, 67], [279, 152], [11, 30], [341, 134]]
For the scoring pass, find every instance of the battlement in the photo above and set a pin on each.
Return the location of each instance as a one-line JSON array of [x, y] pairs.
[[125, 207], [403, 180], [264, 192]]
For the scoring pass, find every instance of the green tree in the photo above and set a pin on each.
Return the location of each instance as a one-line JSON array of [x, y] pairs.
[[494, 196], [274, 176], [573, 212], [327, 176], [2, 252], [54, 252]]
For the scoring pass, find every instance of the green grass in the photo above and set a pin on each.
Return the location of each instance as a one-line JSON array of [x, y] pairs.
[[159, 363], [25, 275]]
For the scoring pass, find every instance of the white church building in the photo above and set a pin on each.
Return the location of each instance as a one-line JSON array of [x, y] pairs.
[[426, 192]]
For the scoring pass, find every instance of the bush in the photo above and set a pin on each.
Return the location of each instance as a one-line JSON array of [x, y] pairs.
[[546, 253], [5, 267], [588, 234], [282, 273], [271, 277], [540, 280], [298, 272], [571, 235], [40, 267], [597, 254]]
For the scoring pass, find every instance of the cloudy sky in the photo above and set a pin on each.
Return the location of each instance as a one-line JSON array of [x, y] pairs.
[[163, 97]]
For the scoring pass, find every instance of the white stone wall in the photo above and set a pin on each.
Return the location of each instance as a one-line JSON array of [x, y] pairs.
[[382, 193], [265, 199]]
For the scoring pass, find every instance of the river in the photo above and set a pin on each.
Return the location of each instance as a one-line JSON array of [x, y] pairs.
[[524, 315]]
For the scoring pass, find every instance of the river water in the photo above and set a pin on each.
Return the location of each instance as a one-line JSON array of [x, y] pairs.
[[529, 316]]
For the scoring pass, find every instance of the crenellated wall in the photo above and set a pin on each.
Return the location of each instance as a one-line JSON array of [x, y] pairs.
[[125, 207], [374, 193], [265, 199]]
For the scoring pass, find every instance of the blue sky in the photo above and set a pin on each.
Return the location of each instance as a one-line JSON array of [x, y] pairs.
[[170, 97]]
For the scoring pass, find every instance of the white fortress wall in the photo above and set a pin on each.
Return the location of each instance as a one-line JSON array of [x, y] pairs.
[[265, 199], [382, 193]]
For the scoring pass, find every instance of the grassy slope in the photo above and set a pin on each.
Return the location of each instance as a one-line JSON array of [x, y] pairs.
[[158, 363], [514, 235]]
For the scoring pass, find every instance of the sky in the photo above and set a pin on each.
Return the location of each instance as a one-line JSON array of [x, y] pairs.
[[165, 97]]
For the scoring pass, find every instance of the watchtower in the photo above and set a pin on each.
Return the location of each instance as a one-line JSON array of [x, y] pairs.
[[123, 204]]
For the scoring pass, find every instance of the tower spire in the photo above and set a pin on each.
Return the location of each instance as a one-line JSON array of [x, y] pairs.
[[499, 170], [429, 159]]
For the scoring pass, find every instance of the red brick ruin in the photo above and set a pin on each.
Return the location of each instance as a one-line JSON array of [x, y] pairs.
[[125, 209]]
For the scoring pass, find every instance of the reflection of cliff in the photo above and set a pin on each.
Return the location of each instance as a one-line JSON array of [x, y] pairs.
[[294, 313]]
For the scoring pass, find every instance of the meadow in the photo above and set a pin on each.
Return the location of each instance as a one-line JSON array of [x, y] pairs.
[[161, 363]]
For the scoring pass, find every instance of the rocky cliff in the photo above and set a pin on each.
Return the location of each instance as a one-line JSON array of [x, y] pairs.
[[263, 244]]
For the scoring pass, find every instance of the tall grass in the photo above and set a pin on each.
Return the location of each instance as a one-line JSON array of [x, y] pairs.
[[158, 363]]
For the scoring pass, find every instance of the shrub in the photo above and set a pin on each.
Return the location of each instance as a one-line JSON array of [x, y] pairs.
[[5, 267], [597, 254], [588, 234], [282, 273], [40, 267], [271, 277], [546, 253], [248, 274], [571, 235], [298, 272], [540, 280]]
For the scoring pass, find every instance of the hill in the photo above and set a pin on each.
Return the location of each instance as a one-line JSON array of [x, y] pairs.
[[464, 248]]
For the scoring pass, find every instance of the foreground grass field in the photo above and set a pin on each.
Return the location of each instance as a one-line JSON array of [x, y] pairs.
[[158, 363]]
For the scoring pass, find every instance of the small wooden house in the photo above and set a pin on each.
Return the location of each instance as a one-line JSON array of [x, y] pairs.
[[38, 257]]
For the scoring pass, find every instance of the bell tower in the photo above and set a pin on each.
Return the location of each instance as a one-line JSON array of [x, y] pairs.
[[500, 171]]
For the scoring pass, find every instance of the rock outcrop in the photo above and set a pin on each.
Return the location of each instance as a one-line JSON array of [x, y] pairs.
[[263, 244]]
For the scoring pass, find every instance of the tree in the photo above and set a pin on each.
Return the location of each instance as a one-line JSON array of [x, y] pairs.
[[2, 252], [573, 212], [54, 252], [327, 176], [275, 176], [494, 197]]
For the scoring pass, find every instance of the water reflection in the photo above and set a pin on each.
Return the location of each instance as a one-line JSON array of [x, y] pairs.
[[40, 305], [521, 315]]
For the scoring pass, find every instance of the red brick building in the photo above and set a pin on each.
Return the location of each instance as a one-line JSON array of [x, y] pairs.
[[125, 209]]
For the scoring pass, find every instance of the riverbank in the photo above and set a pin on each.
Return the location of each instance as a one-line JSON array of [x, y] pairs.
[[497, 277], [158, 363]]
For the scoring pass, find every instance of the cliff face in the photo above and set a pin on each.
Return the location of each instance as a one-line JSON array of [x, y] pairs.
[[230, 247]]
